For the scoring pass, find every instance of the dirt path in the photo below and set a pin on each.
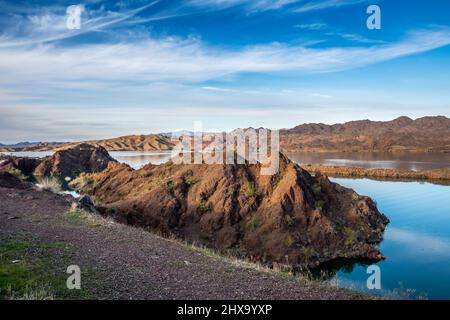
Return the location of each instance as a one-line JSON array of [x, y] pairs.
[[122, 262]]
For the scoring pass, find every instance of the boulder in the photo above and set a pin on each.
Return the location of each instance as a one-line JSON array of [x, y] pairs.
[[23, 165], [84, 203]]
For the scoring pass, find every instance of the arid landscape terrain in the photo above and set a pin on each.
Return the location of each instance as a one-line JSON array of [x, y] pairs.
[[261, 227], [285, 222], [427, 134]]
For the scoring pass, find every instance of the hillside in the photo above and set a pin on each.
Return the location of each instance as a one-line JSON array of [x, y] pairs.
[[289, 218], [40, 236], [427, 134]]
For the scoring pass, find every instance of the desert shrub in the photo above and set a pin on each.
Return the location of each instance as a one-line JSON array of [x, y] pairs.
[[289, 221], [254, 222], [17, 173], [308, 252], [204, 206], [350, 235], [339, 188], [316, 189], [171, 185], [249, 189], [49, 184], [189, 180], [289, 241], [319, 205]]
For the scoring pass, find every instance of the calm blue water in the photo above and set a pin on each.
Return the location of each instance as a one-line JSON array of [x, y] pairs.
[[136, 159], [417, 241]]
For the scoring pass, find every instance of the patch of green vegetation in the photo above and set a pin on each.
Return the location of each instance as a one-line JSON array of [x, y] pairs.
[[319, 205], [189, 180], [255, 221], [25, 276], [17, 173], [308, 252], [249, 189], [317, 189], [350, 235], [289, 241], [79, 217], [204, 207], [289, 220], [171, 185]]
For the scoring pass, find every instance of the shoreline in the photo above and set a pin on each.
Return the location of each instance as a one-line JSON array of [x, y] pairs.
[[437, 176]]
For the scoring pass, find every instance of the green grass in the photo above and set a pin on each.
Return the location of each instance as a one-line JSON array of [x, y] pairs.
[[189, 180], [289, 221], [317, 189], [319, 205], [308, 252], [204, 207], [289, 241], [17, 173], [255, 221], [249, 189], [350, 235], [27, 271], [79, 218]]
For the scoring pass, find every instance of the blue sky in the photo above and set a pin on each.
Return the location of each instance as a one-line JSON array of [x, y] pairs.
[[155, 66]]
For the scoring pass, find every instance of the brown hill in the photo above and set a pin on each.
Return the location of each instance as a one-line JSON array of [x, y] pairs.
[[402, 134], [152, 142], [290, 218]]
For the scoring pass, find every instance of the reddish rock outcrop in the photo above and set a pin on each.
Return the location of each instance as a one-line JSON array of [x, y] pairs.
[[21, 165], [289, 218], [73, 161]]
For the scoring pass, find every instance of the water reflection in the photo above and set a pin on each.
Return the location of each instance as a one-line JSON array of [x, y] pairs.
[[139, 159], [416, 242], [399, 160]]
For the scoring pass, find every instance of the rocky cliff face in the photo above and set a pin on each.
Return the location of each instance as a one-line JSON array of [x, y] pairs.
[[73, 161], [290, 218], [19, 165]]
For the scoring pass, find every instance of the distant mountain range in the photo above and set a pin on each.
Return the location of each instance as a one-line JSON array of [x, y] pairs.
[[24, 145], [151, 142], [427, 134], [402, 134]]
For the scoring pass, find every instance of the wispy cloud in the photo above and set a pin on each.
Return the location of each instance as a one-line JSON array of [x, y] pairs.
[[191, 60], [51, 26], [354, 37], [312, 26], [265, 5], [325, 4]]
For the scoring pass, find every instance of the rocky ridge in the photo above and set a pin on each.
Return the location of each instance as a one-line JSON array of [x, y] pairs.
[[290, 218]]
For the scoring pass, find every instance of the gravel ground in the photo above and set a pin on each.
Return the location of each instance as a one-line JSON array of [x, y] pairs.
[[129, 263]]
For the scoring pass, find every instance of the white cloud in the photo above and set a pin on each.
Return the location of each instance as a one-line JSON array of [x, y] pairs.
[[354, 37], [51, 27], [264, 5], [325, 4], [312, 26], [191, 60]]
